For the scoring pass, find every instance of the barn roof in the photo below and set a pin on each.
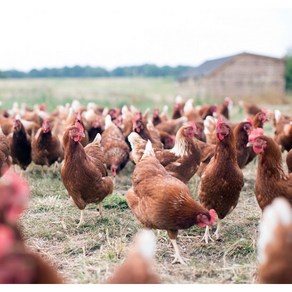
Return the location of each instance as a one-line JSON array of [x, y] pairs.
[[211, 65]]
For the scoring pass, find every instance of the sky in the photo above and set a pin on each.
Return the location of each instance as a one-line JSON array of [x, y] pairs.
[[111, 33]]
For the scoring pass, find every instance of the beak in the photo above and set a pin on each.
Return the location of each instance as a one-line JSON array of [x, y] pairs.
[[83, 134], [249, 144]]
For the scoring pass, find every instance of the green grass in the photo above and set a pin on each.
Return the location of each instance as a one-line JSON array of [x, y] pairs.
[[141, 92], [90, 254]]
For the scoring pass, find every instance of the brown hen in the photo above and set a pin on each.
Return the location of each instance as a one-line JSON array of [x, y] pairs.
[[222, 180], [83, 174], [161, 201]]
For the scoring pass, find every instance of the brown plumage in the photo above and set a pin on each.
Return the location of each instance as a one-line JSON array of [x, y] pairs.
[[7, 125], [19, 265], [275, 244], [289, 161], [161, 201], [46, 147], [250, 109], [82, 175], [223, 110], [171, 126], [183, 160], [222, 180], [20, 145], [271, 180], [116, 150], [258, 121], [140, 127], [138, 266], [5, 158], [241, 132]]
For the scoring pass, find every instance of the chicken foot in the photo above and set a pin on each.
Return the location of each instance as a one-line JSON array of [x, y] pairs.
[[207, 235], [177, 257]]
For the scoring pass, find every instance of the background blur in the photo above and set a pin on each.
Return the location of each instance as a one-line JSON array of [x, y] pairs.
[[131, 51]]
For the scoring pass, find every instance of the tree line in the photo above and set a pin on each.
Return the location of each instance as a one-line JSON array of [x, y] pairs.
[[146, 70]]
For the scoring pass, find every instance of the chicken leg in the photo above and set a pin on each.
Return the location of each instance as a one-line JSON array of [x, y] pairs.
[[100, 209], [81, 221], [177, 257], [217, 234]]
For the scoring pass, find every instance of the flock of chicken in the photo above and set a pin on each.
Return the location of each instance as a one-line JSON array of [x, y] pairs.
[[94, 144]]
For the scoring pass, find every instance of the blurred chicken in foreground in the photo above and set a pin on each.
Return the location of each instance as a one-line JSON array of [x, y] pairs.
[[275, 244], [18, 265], [138, 267]]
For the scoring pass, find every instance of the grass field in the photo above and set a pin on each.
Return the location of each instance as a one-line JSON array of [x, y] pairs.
[[90, 254]]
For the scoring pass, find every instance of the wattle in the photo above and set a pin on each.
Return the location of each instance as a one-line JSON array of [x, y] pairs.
[[220, 136]]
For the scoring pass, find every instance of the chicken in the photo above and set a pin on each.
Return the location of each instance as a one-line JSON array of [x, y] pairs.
[[241, 132], [116, 150], [225, 108], [289, 161], [82, 172], [191, 113], [5, 158], [271, 180], [139, 126], [14, 195], [18, 265], [183, 160], [7, 125], [222, 180], [171, 126], [283, 130], [260, 119], [250, 109], [207, 110], [156, 117], [20, 145], [137, 145], [178, 108], [275, 244], [210, 129], [46, 148], [161, 201], [137, 268], [284, 138]]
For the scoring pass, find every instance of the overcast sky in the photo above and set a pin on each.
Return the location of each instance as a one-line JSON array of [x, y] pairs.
[[110, 33]]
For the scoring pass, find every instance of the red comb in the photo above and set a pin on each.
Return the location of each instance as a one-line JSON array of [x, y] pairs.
[[255, 133], [43, 107], [219, 122], [79, 126]]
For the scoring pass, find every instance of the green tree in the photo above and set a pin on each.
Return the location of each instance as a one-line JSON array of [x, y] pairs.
[[288, 70]]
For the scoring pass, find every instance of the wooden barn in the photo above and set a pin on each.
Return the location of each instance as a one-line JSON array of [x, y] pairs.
[[242, 76]]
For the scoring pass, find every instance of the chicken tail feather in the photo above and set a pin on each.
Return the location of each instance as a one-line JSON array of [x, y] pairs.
[[146, 244]]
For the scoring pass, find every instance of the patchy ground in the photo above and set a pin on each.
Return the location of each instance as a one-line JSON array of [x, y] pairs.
[[90, 254]]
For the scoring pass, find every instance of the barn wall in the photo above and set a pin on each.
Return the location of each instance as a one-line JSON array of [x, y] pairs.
[[246, 76]]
